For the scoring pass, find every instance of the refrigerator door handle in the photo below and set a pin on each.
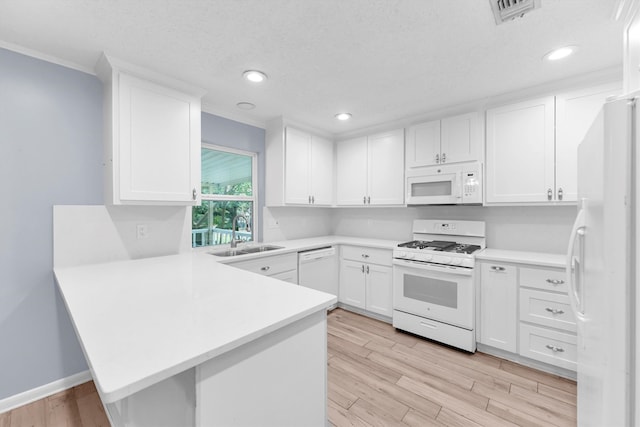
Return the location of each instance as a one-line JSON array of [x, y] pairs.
[[575, 267]]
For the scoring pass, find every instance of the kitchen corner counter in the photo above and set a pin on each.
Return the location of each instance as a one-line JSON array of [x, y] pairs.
[[522, 257], [143, 321]]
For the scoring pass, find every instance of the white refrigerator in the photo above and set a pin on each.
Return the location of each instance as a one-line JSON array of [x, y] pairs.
[[601, 267]]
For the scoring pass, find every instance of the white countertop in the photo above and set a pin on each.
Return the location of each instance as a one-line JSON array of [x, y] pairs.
[[142, 321], [523, 257]]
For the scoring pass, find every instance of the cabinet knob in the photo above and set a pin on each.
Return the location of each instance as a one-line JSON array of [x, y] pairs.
[[194, 194], [363, 268], [313, 200], [443, 158], [368, 200], [265, 268], [497, 268], [437, 158], [554, 348], [555, 282], [365, 256], [554, 310], [560, 193], [549, 194], [364, 200], [309, 199], [367, 269]]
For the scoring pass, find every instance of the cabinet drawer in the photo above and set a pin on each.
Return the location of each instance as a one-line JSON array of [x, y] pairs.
[[552, 347], [547, 309], [270, 265], [543, 278], [368, 255]]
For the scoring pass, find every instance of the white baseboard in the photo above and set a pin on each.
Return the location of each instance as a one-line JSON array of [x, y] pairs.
[[43, 391]]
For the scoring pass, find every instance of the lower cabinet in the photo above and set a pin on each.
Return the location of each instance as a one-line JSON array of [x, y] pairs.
[[283, 267], [524, 309], [366, 279]]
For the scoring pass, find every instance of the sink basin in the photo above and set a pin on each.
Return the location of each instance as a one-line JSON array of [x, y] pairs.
[[263, 248], [245, 251]]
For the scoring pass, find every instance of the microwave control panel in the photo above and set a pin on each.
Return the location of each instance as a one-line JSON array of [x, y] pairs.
[[471, 186]]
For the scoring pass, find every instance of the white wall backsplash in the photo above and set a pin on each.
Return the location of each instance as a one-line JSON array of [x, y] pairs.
[[94, 234], [286, 223], [522, 228]]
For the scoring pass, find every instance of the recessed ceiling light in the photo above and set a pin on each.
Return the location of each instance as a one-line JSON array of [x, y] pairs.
[[343, 116], [255, 76], [560, 53], [245, 105]]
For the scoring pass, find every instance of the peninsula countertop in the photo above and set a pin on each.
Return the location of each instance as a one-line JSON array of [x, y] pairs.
[[142, 321]]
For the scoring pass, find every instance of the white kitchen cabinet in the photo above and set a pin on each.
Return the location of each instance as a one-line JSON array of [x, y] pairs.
[[532, 146], [450, 140], [575, 112], [370, 170], [283, 267], [498, 306], [299, 166], [520, 152], [366, 279], [152, 137]]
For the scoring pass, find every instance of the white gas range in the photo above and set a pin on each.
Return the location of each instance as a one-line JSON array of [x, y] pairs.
[[433, 281]]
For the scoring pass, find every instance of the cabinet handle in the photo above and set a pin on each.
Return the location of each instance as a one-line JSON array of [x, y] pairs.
[[443, 158], [365, 256], [560, 193], [497, 268], [555, 349], [549, 194], [437, 158], [364, 200], [194, 194], [266, 268], [313, 200], [367, 269], [368, 200], [309, 199], [363, 268], [554, 310], [555, 282]]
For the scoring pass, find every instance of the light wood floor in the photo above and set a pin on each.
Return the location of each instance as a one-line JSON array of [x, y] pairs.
[[381, 377]]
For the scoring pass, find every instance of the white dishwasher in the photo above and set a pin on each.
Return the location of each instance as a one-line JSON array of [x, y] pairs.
[[318, 269]]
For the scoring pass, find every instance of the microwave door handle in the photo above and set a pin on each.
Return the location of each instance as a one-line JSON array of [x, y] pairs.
[[457, 184]]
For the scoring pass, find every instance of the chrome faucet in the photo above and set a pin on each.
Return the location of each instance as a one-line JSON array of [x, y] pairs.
[[234, 224]]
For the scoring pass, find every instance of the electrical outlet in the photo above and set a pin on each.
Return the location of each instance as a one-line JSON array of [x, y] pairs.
[[273, 223], [142, 231]]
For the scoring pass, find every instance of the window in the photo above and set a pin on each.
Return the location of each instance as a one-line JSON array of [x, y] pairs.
[[229, 187]]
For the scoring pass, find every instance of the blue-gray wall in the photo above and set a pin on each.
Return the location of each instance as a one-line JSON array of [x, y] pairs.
[[51, 154], [228, 133]]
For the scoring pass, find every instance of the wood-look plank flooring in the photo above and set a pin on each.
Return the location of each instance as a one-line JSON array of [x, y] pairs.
[[78, 406], [381, 377]]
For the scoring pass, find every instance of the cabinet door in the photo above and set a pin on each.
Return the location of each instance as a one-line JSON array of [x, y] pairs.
[[297, 159], [321, 171], [423, 144], [520, 152], [498, 302], [379, 291], [460, 140], [351, 172], [156, 157], [386, 168], [575, 111], [352, 283]]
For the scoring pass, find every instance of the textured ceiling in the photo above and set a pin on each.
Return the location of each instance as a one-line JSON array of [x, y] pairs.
[[381, 60]]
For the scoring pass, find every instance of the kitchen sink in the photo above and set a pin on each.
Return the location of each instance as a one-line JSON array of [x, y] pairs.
[[245, 251]]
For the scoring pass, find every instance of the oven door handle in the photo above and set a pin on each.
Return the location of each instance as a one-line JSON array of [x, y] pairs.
[[445, 269]]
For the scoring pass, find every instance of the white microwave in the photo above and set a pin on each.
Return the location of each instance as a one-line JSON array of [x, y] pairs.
[[454, 184]]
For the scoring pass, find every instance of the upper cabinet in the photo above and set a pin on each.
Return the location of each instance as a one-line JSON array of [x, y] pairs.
[[299, 167], [531, 152], [370, 170], [450, 140], [152, 137]]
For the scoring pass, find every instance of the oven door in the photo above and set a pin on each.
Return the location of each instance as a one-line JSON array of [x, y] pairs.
[[433, 291], [440, 189]]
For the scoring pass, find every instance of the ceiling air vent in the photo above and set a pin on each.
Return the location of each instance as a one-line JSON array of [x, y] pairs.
[[508, 10]]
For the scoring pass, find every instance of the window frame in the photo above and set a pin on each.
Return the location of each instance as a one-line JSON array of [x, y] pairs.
[[241, 198]]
